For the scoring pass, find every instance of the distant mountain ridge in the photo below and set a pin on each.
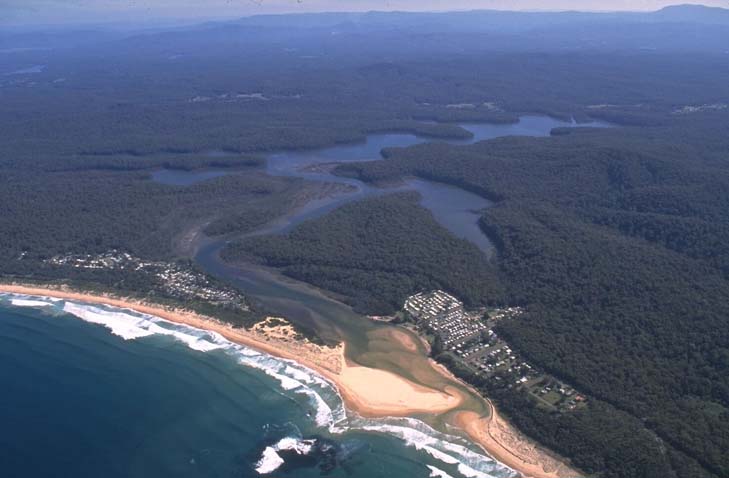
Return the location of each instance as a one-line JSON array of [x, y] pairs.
[[692, 14], [679, 28], [497, 20]]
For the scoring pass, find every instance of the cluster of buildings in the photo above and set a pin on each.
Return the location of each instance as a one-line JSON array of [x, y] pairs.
[[700, 108], [444, 316], [176, 280], [558, 394], [230, 97], [470, 337], [109, 260]]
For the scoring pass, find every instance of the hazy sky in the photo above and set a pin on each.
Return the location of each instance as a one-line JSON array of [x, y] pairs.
[[21, 12]]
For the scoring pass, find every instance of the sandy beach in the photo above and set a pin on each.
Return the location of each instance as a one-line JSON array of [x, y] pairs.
[[367, 391], [393, 395], [508, 446]]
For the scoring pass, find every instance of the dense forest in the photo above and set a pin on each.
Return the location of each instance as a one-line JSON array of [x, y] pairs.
[[95, 211], [614, 240], [377, 252]]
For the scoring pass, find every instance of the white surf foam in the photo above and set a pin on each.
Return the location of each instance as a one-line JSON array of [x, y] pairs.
[[302, 376], [124, 325], [130, 326], [444, 448], [437, 472], [301, 447], [30, 303], [271, 461], [296, 378]]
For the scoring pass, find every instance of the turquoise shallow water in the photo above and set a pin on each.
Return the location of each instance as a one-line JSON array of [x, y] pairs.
[[92, 391]]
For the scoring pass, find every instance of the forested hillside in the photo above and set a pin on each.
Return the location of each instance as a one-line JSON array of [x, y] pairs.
[[614, 241], [93, 212], [376, 253]]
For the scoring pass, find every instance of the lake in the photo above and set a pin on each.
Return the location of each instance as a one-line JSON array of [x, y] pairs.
[[455, 209]]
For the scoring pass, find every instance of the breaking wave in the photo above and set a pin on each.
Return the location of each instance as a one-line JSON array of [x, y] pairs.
[[270, 459], [437, 472], [27, 302], [445, 448], [329, 412]]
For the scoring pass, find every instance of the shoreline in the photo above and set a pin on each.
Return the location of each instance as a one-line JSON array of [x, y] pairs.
[[395, 396], [404, 398]]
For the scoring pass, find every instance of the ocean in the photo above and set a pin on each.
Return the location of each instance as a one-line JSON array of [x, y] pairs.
[[91, 391]]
